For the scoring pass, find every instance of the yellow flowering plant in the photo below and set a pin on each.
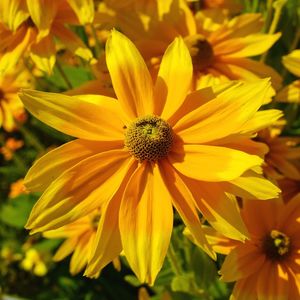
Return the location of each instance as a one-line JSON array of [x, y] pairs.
[[159, 135]]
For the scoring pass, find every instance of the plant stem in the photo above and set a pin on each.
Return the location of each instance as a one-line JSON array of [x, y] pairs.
[[97, 43], [173, 261], [32, 139], [63, 75]]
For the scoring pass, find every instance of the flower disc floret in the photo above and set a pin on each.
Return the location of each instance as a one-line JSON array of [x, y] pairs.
[[149, 138], [276, 245]]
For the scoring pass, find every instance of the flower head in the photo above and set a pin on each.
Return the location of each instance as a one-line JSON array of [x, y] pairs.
[[267, 266], [191, 149]]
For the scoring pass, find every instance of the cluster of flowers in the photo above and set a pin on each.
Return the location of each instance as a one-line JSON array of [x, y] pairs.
[[171, 120]]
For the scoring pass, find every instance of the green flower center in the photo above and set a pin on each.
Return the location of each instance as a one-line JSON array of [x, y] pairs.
[[276, 245], [149, 138], [201, 51]]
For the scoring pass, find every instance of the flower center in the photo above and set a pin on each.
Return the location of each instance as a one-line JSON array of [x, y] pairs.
[[149, 138], [200, 50], [276, 245], [1, 94]]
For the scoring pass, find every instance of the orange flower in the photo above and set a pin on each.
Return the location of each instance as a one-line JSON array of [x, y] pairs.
[[156, 147], [11, 145], [268, 265], [17, 188]]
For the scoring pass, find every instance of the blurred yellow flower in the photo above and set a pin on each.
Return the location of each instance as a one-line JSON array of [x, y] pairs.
[[155, 147], [267, 266], [11, 108], [220, 49], [32, 27], [34, 263], [291, 93], [79, 237]]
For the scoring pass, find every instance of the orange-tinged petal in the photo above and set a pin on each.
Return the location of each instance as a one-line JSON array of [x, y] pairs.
[[174, 79], [130, 76], [272, 282], [183, 201], [72, 41], [84, 10], [244, 260], [245, 289], [292, 62], [54, 163], [232, 108], [220, 210], [146, 221], [77, 116], [42, 13], [211, 163], [80, 190], [8, 122], [43, 54]]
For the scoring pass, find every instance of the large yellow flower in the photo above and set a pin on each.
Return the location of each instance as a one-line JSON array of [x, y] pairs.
[[219, 46], [267, 266], [32, 27], [291, 93], [155, 147]]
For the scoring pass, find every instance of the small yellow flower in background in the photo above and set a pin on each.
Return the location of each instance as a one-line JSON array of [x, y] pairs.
[[221, 50], [10, 146], [31, 27], [8, 255], [267, 266], [79, 237], [291, 93], [33, 262], [17, 188], [158, 146], [283, 153], [11, 108]]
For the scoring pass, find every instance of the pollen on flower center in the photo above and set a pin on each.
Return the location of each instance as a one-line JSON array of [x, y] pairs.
[[276, 245], [149, 138], [201, 51]]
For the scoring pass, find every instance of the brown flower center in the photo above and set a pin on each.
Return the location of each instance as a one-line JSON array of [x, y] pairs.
[[149, 138], [276, 245], [30, 23], [200, 50], [1, 94]]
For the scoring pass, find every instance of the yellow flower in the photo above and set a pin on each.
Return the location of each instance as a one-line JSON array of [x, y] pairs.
[[35, 30], [11, 108], [220, 49], [17, 188], [267, 266], [155, 147], [291, 93], [282, 154], [33, 262], [79, 237]]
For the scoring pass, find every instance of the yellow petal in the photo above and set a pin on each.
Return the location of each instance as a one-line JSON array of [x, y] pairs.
[[220, 210], [252, 185], [84, 10], [72, 41], [42, 13], [242, 261], [66, 248], [130, 76], [292, 62], [146, 221], [54, 163], [107, 244], [174, 79], [183, 201], [43, 54], [77, 116], [232, 108], [13, 13], [80, 190], [211, 163], [273, 282], [290, 93]]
